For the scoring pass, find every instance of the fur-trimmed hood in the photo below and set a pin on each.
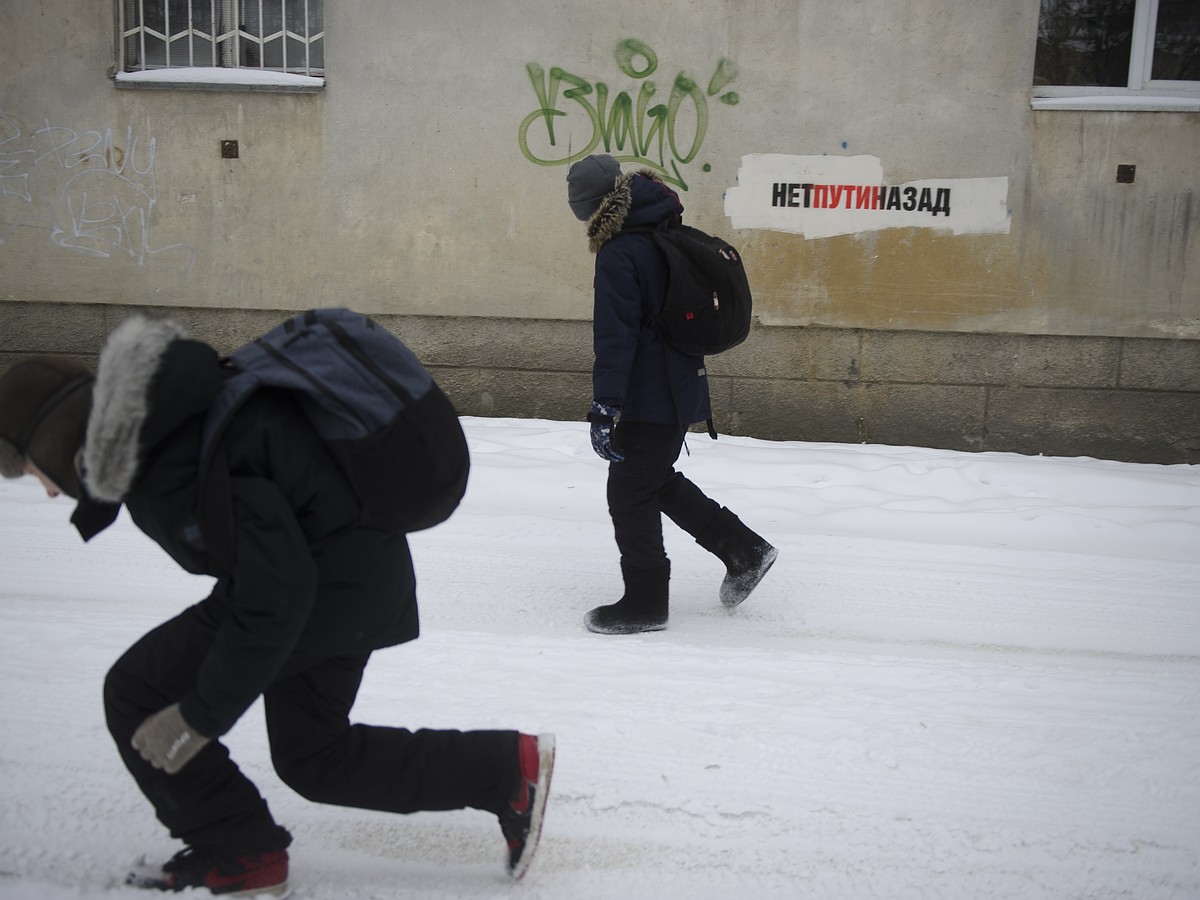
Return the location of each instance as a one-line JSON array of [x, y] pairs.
[[151, 377], [637, 198]]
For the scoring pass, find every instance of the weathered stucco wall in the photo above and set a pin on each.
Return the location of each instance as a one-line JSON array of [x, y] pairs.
[[423, 179], [427, 180]]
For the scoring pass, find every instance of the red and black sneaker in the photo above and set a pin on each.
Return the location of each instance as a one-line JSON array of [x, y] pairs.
[[521, 822], [220, 872]]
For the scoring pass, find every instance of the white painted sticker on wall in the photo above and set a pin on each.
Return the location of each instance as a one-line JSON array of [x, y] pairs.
[[823, 196]]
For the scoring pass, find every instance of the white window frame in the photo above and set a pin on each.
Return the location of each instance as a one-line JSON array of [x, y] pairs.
[[1141, 91], [216, 66]]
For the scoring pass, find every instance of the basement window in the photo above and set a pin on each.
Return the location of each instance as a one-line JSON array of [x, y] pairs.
[[222, 44]]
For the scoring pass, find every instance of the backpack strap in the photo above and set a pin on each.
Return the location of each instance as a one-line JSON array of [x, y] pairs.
[[214, 500], [215, 510]]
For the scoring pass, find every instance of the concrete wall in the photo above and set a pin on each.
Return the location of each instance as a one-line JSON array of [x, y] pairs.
[[1133, 399], [422, 183]]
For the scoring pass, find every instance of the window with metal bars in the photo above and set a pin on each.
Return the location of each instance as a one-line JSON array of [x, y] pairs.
[[270, 35]]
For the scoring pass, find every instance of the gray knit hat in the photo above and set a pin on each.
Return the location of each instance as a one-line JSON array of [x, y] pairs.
[[589, 181], [44, 407]]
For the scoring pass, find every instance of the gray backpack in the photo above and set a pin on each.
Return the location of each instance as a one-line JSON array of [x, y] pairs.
[[393, 432]]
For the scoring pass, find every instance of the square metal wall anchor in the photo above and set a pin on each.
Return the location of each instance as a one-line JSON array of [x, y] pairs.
[[229, 149], [1125, 174]]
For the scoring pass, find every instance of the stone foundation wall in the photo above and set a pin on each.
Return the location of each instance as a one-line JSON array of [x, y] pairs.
[[1129, 399]]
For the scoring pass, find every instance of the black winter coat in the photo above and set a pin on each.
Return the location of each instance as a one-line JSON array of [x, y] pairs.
[[631, 369], [305, 578]]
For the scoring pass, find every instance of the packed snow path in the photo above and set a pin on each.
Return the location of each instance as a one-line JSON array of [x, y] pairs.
[[968, 676]]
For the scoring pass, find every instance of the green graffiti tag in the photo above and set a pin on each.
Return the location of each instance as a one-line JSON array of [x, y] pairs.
[[662, 137]]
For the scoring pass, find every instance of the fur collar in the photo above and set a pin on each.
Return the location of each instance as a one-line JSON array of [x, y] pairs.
[[606, 222], [120, 404]]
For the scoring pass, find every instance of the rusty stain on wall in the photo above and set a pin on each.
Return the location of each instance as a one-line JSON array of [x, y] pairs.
[[906, 279]]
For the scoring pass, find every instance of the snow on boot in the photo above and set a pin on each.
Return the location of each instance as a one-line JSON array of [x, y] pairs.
[[642, 608], [221, 872], [747, 556]]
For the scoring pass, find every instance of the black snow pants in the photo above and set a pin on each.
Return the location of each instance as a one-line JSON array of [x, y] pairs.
[[645, 486], [314, 748]]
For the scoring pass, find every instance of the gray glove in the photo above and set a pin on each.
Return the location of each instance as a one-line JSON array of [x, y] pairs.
[[167, 741]]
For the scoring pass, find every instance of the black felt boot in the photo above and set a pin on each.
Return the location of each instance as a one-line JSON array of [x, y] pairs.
[[747, 556], [642, 608]]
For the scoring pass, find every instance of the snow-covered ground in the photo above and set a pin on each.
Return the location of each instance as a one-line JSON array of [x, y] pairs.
[[968, 676]]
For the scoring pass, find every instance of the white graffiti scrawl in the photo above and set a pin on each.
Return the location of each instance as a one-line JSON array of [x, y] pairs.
[[93, 191]]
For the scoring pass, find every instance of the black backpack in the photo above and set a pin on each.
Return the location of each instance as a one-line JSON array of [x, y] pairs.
[[708, 304], [391, 429]]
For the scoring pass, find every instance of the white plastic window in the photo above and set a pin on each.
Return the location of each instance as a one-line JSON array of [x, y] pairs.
[[1118, 54]]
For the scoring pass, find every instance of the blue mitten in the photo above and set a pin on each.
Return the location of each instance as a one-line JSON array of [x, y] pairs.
[[602, 418]]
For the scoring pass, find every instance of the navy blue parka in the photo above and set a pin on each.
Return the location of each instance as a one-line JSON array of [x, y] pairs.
[[633, 369], [306, 578]]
